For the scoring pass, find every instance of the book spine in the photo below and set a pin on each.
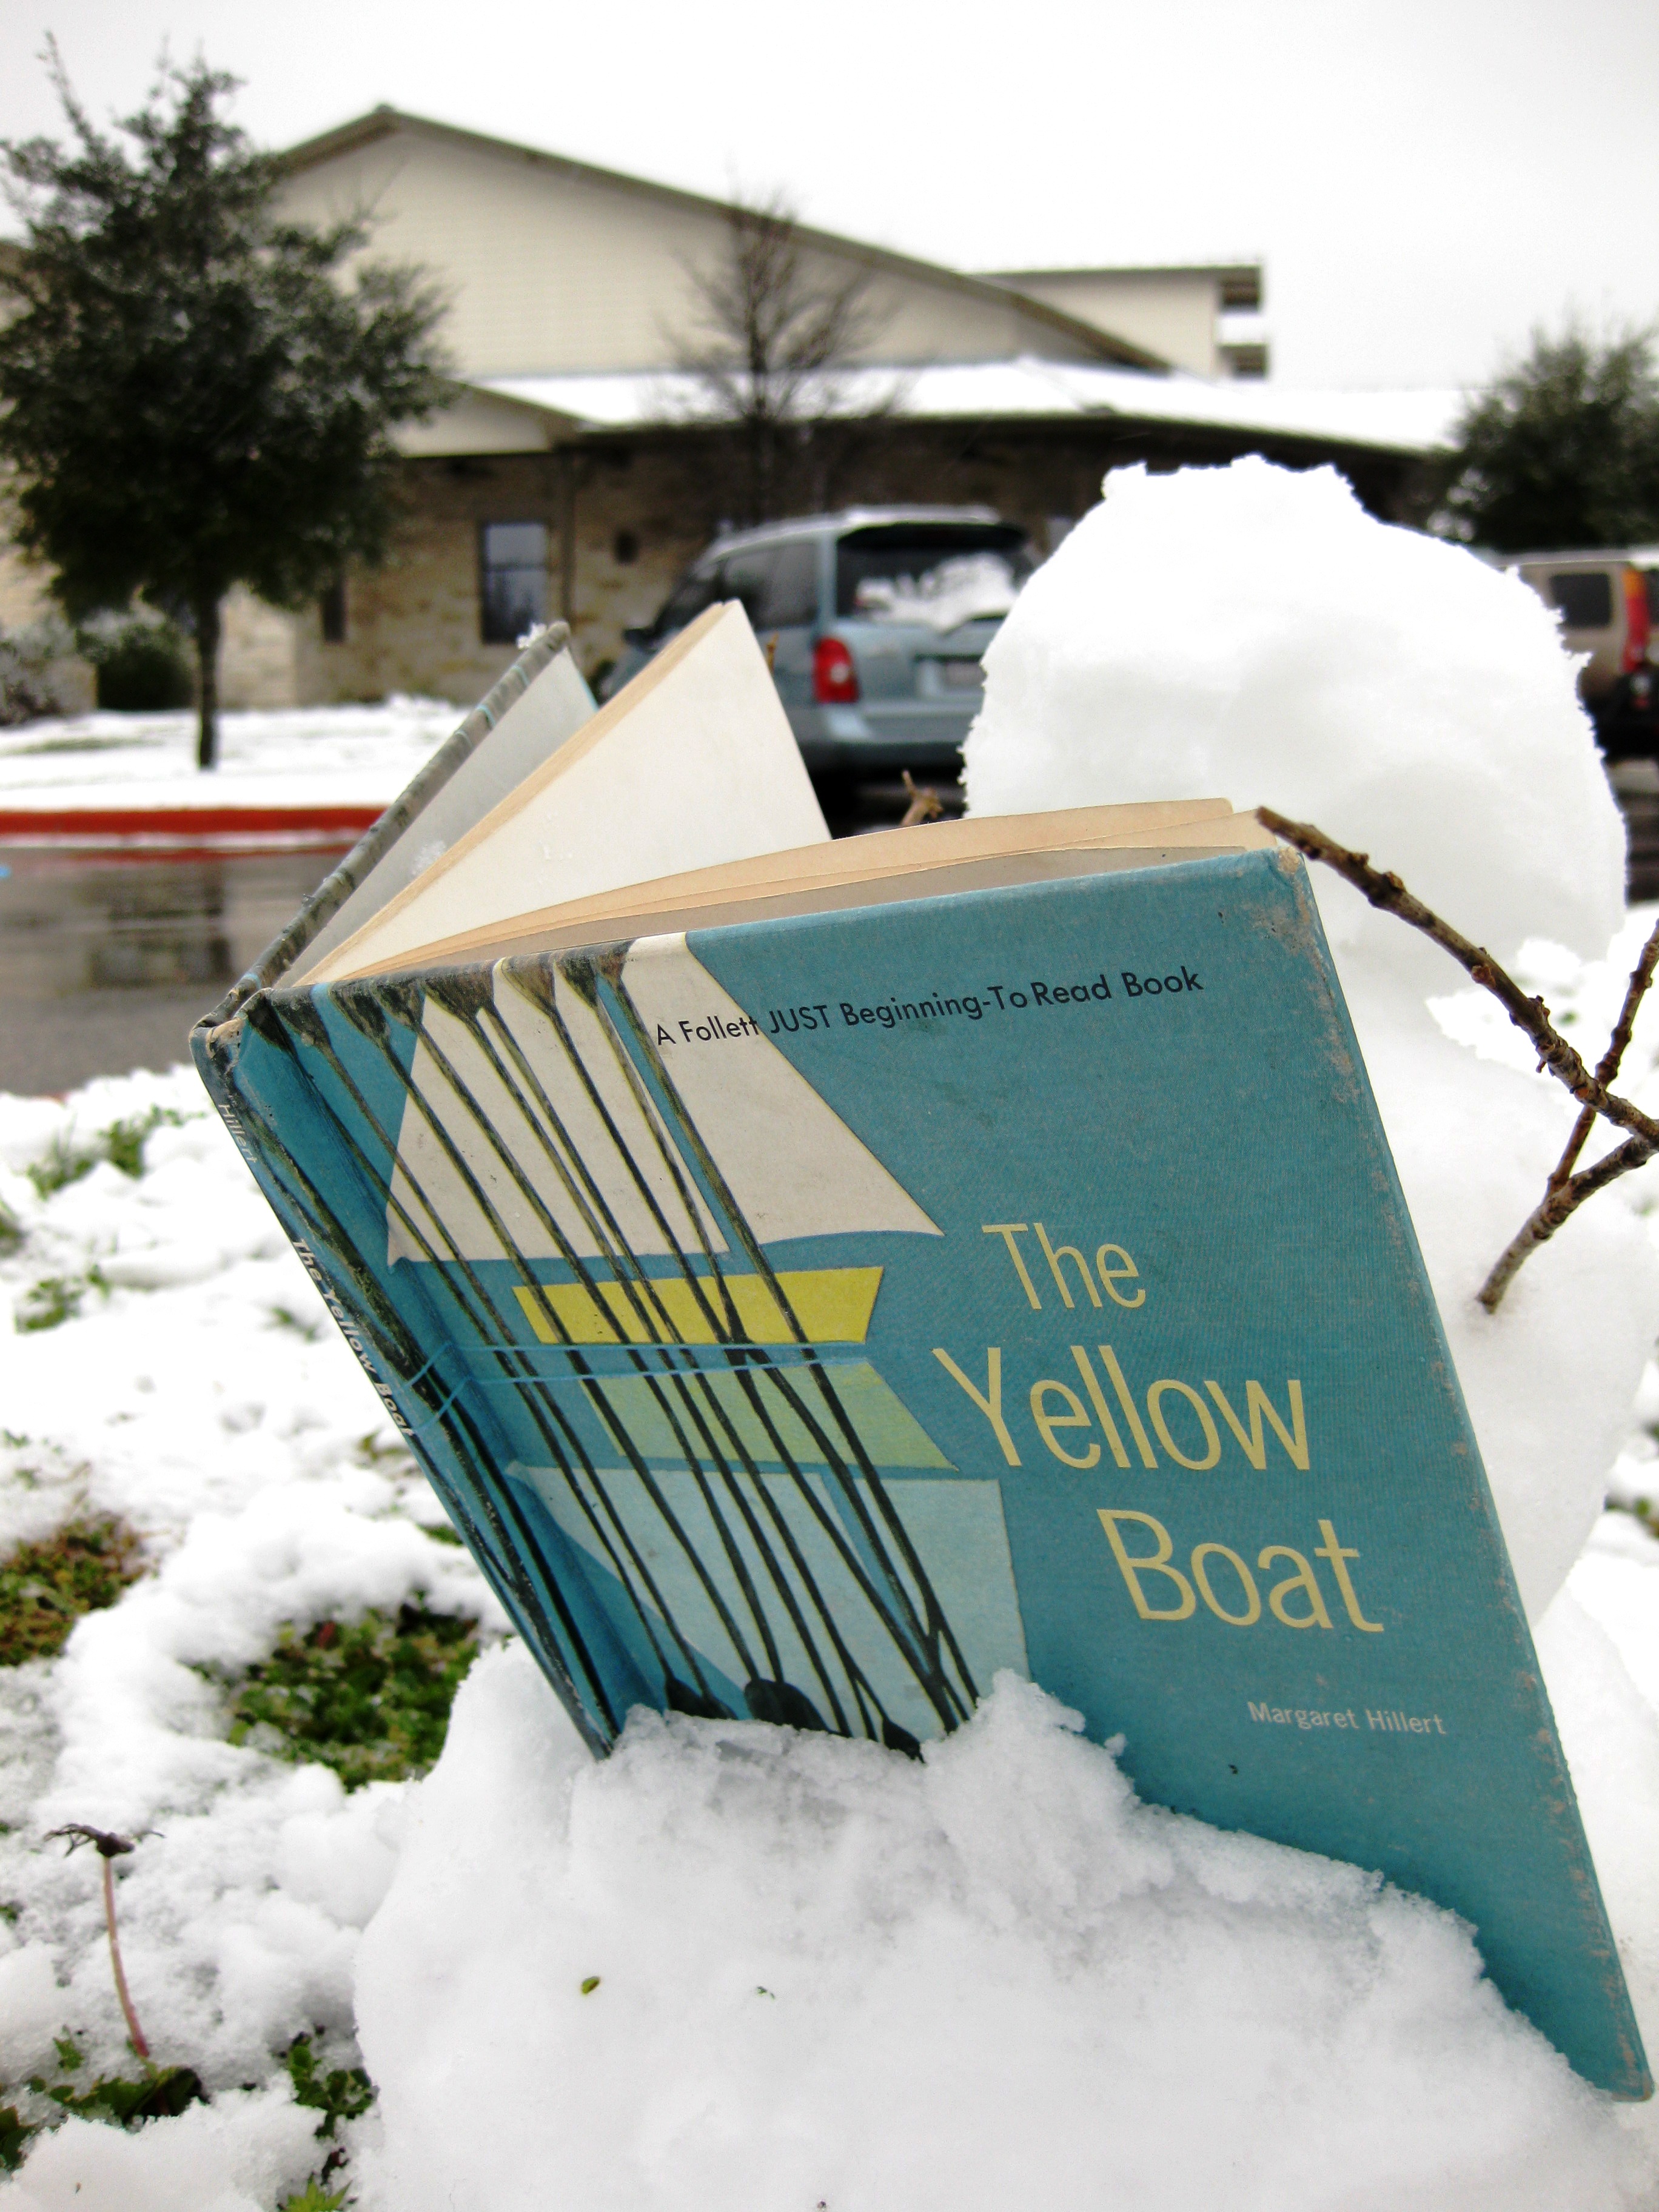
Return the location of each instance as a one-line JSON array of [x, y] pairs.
[[218, 1079], [309, 1178]]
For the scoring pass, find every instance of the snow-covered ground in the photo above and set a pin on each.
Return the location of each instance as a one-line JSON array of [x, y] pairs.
[[334, 755], [826, 1974], [738, 1968]]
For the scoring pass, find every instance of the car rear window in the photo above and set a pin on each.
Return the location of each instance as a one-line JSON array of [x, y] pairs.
[[1584, 596], [778, 584], [688, 599], [902, 571]]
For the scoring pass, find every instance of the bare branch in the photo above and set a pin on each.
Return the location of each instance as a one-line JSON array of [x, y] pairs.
[[775, 329], [1566, 1190], [1560, 1201], [1530, 1016]]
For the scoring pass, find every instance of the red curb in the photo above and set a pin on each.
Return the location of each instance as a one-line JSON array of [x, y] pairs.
[[202, 828]]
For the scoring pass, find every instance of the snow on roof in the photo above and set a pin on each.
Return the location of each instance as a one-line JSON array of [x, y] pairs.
[[1409, 421]]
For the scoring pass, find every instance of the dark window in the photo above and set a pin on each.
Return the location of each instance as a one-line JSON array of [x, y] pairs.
[[898, 561], [625, 548], [793, 597], [1584, 596], [1652, 576], [687, 600], [331, 612], [778, 584], [748, 577], [511, 580]]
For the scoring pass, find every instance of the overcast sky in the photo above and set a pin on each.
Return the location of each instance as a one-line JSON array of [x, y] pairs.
[[1426, 180]]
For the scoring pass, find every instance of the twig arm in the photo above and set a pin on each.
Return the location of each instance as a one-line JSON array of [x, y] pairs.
[[1530, 1016], [1560, 1202]]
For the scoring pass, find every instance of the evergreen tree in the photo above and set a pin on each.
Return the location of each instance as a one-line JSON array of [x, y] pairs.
[[192, 394], [1561, 451]]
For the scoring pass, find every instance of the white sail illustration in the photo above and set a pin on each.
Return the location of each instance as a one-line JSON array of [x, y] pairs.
[[791, 1164]]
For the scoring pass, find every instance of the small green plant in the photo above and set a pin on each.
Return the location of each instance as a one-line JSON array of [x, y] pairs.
[[45, 1588], [123, 1141], [15, 2134], [369, 1698], [312, 1331], [64, 1164], [344, 2092], [11, 1231], [158, 2093]]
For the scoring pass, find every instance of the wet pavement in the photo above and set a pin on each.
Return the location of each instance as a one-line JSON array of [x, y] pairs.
[[105, 964]]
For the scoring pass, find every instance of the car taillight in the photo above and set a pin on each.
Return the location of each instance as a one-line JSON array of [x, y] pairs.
[[1636, 620], [835, 678]]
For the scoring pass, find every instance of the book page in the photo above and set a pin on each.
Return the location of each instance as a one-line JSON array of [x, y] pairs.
[[915, 863], [540, 721], [691, 764]]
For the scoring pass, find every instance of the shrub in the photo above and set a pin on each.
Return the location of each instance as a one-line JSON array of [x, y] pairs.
[[26, 656], [140, 662]]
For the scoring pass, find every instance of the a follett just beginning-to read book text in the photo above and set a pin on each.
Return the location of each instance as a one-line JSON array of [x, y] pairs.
[[817, 1279]]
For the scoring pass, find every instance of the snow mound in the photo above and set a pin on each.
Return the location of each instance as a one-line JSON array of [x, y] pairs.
[[1252, 632], [828, 1977]]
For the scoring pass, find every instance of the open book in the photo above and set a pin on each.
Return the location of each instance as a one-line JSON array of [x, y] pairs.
[[818, 1275], [694, 764]]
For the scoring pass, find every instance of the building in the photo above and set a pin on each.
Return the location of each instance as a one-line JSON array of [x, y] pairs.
[[580, 468]]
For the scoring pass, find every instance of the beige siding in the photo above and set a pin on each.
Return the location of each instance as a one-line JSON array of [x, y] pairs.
[[1173, 312], [549, 270], [23, 595], [257, 654]]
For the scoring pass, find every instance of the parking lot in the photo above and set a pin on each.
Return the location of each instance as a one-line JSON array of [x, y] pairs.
[[105, 964]]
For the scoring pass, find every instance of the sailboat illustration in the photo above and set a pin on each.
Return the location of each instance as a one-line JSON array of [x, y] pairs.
[[598, 1151]]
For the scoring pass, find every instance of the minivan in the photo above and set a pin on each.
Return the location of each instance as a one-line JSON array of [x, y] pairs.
[[1609, 603], [875, 621]]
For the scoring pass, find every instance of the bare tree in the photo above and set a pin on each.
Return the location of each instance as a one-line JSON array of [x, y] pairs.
[[773, 343]]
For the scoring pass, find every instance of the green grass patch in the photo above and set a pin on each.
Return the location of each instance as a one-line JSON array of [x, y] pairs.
[[369, 1698], [344, 2092], [122, 1144], [54, 1299], [45, 1588], [63, 1165]]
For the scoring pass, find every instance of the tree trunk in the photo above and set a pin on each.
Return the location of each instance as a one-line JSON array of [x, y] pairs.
[[207, 663]]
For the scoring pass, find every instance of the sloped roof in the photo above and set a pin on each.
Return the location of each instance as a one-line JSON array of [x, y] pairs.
[[386, 122], [1024, 389]]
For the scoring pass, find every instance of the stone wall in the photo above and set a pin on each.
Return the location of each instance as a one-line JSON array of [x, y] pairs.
[[624, 516]]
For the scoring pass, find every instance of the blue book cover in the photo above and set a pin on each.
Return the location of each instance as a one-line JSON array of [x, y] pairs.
[[806, 1319]]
